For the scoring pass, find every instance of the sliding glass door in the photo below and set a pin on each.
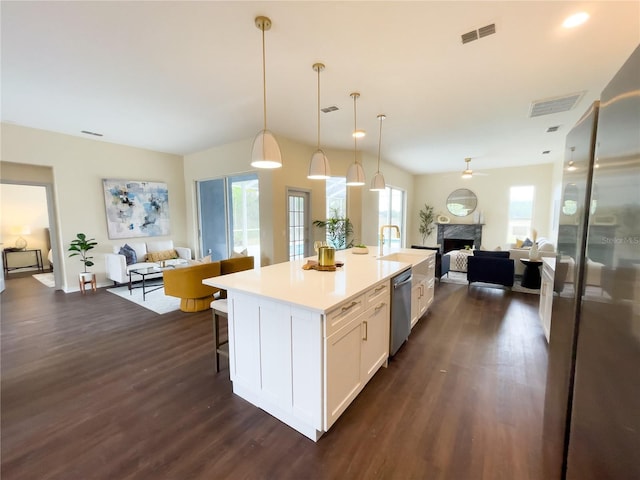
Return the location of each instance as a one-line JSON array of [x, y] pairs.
[[229, 216]]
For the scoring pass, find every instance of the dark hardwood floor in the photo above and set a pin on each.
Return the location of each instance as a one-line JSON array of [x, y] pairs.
[[96, 387]]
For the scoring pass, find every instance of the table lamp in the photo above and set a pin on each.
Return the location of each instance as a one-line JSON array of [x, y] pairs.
[[21, 243]]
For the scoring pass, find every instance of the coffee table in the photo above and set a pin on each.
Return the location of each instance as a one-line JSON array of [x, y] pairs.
[[148, 285]]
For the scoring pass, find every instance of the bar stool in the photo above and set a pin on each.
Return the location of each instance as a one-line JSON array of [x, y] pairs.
[[220, 310]]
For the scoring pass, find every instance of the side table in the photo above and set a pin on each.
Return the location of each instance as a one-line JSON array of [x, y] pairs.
[[12, 251], [531, 276]]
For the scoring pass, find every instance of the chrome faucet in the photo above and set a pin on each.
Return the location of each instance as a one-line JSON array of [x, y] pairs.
[[397, 229]]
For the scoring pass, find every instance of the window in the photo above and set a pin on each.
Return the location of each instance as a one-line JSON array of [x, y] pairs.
[[391, 211], [229, 216], [336, 196], [520, 212], [298, 226]]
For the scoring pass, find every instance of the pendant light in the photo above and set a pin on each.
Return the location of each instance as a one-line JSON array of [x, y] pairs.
[[319, 165], [355, 174], [266, 151], [378, 184], [572, 166], [467, 173]]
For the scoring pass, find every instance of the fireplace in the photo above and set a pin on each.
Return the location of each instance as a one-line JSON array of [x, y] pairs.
[[454, 236], [456, 244]]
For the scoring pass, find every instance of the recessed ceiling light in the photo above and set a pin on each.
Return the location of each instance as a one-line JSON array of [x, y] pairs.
[[575, 20], [358, 133]]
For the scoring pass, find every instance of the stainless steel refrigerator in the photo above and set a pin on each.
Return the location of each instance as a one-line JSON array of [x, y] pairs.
[[592, 400]]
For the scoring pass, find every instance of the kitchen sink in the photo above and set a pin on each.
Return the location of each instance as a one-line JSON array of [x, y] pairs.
[[403, 257]]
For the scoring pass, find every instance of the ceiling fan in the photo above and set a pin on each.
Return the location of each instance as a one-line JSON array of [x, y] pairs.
[[467, 172]]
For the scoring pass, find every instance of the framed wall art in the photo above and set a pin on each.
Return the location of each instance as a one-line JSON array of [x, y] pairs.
[[136, 208]]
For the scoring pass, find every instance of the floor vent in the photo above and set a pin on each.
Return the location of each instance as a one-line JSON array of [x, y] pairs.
[[480, 33], [551, 105], [332, 108]]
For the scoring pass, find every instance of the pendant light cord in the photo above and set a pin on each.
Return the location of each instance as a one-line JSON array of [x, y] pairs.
[[355, 126], [380, 142], [264, 81], [318, 70]]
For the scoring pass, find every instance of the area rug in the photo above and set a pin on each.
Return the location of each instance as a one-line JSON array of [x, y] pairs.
[[461, 279], [156, 301], [46, 279]]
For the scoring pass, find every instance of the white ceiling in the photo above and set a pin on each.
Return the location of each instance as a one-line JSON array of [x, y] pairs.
[[180, 77]]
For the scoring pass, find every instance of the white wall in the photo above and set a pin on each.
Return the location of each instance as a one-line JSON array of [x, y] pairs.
[[78, 166], [394, 177], [234, 158], [492, 191]]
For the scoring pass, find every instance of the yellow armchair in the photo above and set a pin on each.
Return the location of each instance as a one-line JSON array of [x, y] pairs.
[[233, 265], [186, 284]]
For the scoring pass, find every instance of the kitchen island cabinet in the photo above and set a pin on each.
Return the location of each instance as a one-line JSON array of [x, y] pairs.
[[304, 343]]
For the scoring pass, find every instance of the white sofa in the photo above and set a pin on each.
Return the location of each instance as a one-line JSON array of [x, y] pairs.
[[545, 249], [116, 264]]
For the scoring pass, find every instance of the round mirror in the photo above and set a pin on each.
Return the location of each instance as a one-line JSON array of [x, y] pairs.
[[462, 202]]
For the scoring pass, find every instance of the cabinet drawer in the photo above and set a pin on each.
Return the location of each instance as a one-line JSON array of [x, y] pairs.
[[344, 313], [376, 293]]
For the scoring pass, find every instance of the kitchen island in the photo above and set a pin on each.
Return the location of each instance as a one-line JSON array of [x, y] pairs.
[[304, 343]]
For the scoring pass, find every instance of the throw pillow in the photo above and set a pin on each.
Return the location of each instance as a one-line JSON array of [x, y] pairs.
[[129, 253], [206, 259], [527, 242], [161, 256], [241, 254], [519, 243]]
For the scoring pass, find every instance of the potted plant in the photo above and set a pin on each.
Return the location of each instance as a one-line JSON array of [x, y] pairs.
[[427, 218], [339, 229], [360, 248], [80, 246]]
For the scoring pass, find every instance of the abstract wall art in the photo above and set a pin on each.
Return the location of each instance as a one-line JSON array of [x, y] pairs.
[[136, 208]]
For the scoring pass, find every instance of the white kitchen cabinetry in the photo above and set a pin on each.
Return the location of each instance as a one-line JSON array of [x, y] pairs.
[[546, 296], [422, 288], [303, 343], [356, 351]]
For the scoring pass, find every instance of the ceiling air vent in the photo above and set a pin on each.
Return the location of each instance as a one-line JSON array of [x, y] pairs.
[[480, 33], [547, 106], [546, 152], [332, 108], [486, 31], [470, 36], [553, 129], [87, 132]]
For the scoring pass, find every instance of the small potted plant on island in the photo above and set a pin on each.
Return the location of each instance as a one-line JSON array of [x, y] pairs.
[[360, 249], [80, 246]]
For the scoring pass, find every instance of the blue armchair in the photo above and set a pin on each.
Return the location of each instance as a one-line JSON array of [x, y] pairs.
[[490, 267]]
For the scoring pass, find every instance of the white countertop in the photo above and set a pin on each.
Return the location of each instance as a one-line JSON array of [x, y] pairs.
[[319, 290], [550, 261]]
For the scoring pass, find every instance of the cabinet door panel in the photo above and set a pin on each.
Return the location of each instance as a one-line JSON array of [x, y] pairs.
[[244, 351], [275, 352], [375, 339], [416, 294], [342, 375]]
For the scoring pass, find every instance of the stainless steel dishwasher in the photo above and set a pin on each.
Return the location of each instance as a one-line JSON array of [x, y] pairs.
[[400, 310]]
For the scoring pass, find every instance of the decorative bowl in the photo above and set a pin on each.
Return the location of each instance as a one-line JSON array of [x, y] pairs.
[[360, 250]]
